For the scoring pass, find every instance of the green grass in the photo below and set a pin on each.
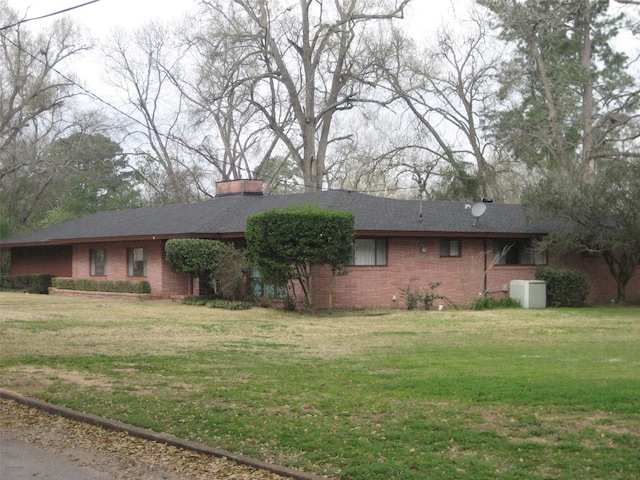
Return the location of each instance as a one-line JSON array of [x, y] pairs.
[[508, 394]]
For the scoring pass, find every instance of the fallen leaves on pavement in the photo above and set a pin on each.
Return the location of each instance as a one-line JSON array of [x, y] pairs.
[[119, 453]]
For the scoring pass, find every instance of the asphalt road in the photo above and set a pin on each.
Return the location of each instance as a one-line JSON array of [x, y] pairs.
[[39, 440], [20, 460]]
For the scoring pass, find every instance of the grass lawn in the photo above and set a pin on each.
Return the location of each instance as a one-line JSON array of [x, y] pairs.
[[503, 394]]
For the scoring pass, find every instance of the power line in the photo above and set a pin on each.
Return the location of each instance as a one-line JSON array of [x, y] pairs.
[[25, 20], [139, 122], [120, 111], [70, 80]]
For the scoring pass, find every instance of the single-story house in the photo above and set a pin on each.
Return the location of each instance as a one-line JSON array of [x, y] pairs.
[[470, 249]]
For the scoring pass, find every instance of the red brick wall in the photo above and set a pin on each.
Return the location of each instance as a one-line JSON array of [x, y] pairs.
[[602, 287], [176, 283], [462, 278], [235, 187], [163, 281], [54, 260]]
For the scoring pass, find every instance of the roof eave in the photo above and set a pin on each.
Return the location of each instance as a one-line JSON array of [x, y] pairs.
[[236, 235]]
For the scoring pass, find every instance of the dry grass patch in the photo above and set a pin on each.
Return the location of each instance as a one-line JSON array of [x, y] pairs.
[[379, 395]]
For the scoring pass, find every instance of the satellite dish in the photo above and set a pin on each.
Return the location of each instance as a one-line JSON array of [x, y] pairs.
[[477, 210]]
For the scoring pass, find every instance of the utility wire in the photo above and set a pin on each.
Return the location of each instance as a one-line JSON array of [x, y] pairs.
[[89, 93], [25, 20], [70, 80], [108, 104], [139, 122]]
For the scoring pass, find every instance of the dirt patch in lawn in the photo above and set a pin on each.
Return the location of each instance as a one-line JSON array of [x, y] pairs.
[[32, 379], [523, 426]]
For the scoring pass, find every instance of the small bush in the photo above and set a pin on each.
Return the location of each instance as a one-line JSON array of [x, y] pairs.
[[565, 288], [229, 305], [194, 301], [264, 302], [289, 304], [143, 287], [413, 298], [29, 283], [487, 303]]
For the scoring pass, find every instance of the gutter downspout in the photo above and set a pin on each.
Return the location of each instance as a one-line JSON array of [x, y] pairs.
[[485, 264]]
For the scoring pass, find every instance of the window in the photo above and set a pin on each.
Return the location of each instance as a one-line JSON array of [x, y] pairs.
[[370, 251], [260, 288], [449, 248], [517, 252], [137, 259], [98, 261]]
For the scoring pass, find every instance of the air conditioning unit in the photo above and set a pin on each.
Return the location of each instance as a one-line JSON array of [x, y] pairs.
[[530, 293]]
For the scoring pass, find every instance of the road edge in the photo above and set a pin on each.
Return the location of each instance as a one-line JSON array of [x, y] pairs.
[[147, 434]]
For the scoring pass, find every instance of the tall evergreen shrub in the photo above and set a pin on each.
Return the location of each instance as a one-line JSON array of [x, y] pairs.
[[565, 288], [287, 243]]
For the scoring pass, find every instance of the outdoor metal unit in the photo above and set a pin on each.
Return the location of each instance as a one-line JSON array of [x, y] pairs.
[[530, 293]]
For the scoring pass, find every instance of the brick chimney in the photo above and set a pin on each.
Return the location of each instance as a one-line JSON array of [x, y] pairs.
[[238, 187]]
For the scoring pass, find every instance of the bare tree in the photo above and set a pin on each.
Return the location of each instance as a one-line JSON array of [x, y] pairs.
[[139, 64], [35, 98], [215, 81], [312, 66], [31, 91], [446, 88]]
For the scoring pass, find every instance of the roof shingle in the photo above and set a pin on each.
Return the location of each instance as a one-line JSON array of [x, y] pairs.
[[227, 216]]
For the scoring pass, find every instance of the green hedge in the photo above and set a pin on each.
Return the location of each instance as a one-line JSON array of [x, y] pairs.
[[31, 283], [91, 285], [194, 301], [488, 303], [229, 305], [565, 288]]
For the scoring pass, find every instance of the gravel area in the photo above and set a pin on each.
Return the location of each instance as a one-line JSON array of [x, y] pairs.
[[119, 454]]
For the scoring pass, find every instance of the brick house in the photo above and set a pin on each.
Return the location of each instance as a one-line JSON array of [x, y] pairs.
[[398, 243]]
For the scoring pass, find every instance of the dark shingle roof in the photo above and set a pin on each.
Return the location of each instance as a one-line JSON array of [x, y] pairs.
[[227, 216]]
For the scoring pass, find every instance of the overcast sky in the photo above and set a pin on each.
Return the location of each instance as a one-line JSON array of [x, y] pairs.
[[100, 17]]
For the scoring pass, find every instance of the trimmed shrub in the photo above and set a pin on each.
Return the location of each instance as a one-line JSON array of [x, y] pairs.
[[285, 244], [221, 265], [64, 283], [91, 285], [143, 287], [565, 288], [229, 305], [193, 301], [29, 283], [487, 303]]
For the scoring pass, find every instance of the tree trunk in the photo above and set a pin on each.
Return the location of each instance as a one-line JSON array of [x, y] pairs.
[[622, 270], [554, 125], [588, 167]]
